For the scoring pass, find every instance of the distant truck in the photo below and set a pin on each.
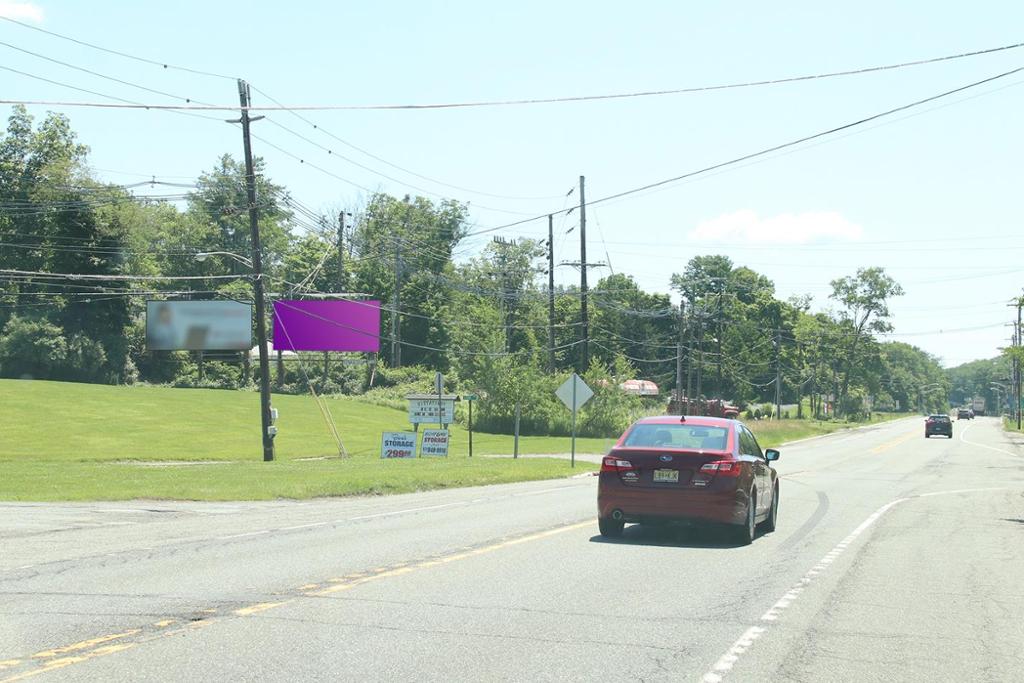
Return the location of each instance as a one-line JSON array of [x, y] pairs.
[[978, 405], [708, 407]]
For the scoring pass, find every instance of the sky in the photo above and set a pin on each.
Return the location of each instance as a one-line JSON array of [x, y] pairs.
[[932, 194]]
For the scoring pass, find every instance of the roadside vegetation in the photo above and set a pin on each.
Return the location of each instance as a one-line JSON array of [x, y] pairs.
[[70, 441]]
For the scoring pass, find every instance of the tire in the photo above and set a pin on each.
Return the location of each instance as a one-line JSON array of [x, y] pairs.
[[609, 528], [768, 525], [744, 533]]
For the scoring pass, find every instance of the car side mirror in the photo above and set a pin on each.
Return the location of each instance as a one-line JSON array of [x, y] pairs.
[[771, 454]]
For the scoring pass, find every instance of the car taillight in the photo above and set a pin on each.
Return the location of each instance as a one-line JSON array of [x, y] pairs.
[[929, 422], [613, 464], [728, 468]]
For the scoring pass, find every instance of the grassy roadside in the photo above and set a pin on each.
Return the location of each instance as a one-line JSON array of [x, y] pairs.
[[66, 441], [94, 480], [771, 434]]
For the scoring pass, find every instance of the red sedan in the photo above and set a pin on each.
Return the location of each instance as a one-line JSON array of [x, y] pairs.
[[702, 470]]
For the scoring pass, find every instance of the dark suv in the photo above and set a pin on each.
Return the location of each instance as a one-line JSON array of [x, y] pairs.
[[938, 424]]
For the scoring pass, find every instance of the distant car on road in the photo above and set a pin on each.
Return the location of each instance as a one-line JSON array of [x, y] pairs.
[[938, 424], [964, 414], [696, 470]]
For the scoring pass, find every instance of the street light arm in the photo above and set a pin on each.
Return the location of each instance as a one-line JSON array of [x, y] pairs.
[[203, 255]]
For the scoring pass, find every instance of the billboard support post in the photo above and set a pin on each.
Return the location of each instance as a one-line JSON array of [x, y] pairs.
[[257, 273]]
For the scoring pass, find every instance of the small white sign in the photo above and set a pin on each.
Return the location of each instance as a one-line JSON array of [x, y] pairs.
[[398, 445], [565, 392], [435, 443], [426, 409]]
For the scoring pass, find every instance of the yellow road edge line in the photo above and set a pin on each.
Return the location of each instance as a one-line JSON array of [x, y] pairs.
[[260, 607], [68, 661], [83, 645], [8, 663], [407, 568], [895, 442]]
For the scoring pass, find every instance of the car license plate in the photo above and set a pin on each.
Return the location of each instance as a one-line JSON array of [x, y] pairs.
[[668, 476]]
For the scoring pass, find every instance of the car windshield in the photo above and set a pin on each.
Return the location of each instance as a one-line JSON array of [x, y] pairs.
[[692, 437], [939, 418]]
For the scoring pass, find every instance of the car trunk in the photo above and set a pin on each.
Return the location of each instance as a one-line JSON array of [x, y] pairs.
[[663, 468]]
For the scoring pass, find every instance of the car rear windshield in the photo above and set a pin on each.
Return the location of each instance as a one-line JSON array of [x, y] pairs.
[[940, 418], [690, 437]]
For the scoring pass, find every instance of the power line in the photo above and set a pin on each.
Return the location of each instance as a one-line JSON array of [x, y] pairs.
[[100, 75], [136, 58], [766, 151], [328, 133], [515, 102]]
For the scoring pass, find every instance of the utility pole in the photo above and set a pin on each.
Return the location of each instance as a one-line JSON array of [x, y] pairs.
[[257, 272], [396, 327], [679, 359], [778, 375], [584, 313], [1017, 366], [718, 380], [700, 363], [341, 250], [551, 293]]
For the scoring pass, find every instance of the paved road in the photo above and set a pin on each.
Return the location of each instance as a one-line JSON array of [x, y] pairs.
[[896, 558]]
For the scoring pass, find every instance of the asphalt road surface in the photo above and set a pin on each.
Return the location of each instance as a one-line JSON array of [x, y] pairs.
[[896, 558]]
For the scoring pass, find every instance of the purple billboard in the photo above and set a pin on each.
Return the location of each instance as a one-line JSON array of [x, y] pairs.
[[322, 325]]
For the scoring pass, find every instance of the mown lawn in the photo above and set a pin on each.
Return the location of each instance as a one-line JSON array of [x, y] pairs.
[[66, 441]]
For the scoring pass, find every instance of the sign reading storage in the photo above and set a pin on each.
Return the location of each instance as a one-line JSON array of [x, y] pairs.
[[435, 443], [398, 445]]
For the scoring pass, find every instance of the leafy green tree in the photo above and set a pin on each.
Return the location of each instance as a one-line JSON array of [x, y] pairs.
[[865, 300]]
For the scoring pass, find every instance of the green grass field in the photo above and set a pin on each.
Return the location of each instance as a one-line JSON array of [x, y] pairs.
[[66, 441]]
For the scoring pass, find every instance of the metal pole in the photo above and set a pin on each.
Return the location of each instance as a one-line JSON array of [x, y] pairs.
[[1016, 408], [584, 313], [572, 455], [551, 294], [257, 274], [471, 429], [396, 330], [515, 447]]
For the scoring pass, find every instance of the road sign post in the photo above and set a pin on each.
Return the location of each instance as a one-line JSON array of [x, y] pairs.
[[469, 399], [574, 392], [439, 390]]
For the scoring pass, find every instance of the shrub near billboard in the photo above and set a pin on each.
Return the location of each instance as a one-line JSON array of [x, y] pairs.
[[198, 326], [327, 325]]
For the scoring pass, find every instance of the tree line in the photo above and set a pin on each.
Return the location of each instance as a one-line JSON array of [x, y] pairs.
[[79, 258]]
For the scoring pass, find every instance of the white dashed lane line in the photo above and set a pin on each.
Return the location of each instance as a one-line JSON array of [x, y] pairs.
[[726, 662]]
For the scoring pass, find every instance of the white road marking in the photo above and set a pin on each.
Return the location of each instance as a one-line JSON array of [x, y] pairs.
[[302, 526], [981, 445], [537, 493], [249, 533], [726, 662], [402, 512]]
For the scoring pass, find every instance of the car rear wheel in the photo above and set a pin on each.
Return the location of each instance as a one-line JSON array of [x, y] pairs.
[[745, 532], [609, 528], [768, 525]]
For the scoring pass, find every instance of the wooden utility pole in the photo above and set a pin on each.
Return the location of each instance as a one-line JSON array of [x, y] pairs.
[[341, 250], [778, 374], [396, 301], [1017, 366], [679, 357], [584, 313], [551, 293], [257, 273]]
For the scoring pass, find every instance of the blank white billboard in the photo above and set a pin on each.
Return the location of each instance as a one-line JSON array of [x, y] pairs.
[[198, 326]]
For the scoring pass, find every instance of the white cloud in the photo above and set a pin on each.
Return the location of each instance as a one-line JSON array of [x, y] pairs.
[[787, 228], [22, 11]]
